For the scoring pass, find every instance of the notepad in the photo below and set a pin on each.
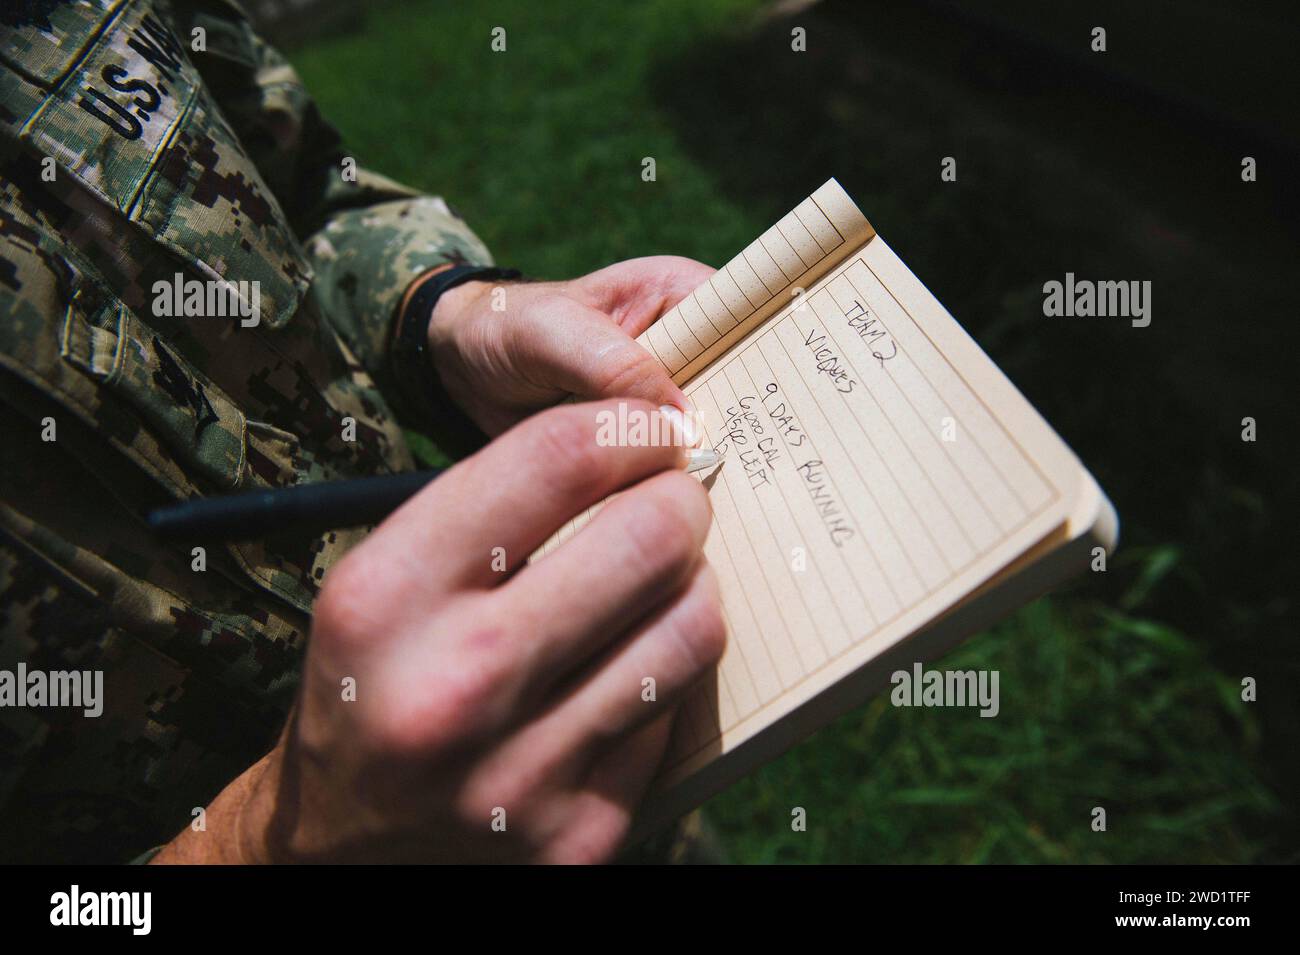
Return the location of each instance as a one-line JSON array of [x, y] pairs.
[[884, 489]]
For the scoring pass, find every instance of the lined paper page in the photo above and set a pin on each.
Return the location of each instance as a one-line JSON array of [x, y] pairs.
[[876, 468], [794, 253]]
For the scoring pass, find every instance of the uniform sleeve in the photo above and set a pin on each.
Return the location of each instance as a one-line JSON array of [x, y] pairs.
[[366, 236]]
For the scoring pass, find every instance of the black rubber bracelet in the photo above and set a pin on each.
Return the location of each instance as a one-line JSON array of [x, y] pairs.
[[413, 373]]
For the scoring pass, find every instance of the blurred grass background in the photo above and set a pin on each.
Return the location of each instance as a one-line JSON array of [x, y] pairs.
[[1121, 691]]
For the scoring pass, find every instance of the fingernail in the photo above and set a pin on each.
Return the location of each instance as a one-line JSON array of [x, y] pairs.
[[698, 459], [685, 422], [694, 423]]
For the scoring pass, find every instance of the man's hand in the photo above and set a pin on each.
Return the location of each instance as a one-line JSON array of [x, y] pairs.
[[549, 340], [487, 689]]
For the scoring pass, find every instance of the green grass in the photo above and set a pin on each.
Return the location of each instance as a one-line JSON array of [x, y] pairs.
[[1123, 692], [540, 147], [1097, 710]]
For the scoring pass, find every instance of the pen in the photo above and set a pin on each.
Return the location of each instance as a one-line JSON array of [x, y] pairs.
[[309, 508]]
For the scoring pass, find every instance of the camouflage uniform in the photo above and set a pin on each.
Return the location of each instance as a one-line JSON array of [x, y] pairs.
[[127, 157]]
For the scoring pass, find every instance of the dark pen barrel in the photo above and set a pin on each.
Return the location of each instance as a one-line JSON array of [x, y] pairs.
[[304, 508]]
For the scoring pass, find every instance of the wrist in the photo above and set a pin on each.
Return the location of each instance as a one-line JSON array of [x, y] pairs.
[[236, 825], [451, 306], [255, 813], [426, 346]]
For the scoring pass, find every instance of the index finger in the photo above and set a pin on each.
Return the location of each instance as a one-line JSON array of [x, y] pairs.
[[483, 518]]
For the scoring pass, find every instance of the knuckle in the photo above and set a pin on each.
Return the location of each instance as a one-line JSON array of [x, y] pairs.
[[461, 695], [345, 614], [450, 711], [628, 370], [698, 626], [521, 788], [476, 799], [566, 449], [710, 631], [680, 486], [468, 692], [690, 498], [525, 776], [590, 845], [661, 536], [700, 635]]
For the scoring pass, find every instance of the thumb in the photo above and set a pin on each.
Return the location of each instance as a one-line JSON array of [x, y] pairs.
[[636, 292], [586, 354]]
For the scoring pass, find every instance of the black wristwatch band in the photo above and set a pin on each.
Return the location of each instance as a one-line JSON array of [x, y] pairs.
[[413, 373]]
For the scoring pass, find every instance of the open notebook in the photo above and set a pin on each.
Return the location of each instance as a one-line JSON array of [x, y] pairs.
[[884, 489]]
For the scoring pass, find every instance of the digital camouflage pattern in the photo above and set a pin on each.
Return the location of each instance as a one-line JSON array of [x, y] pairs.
[[212, 164]]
